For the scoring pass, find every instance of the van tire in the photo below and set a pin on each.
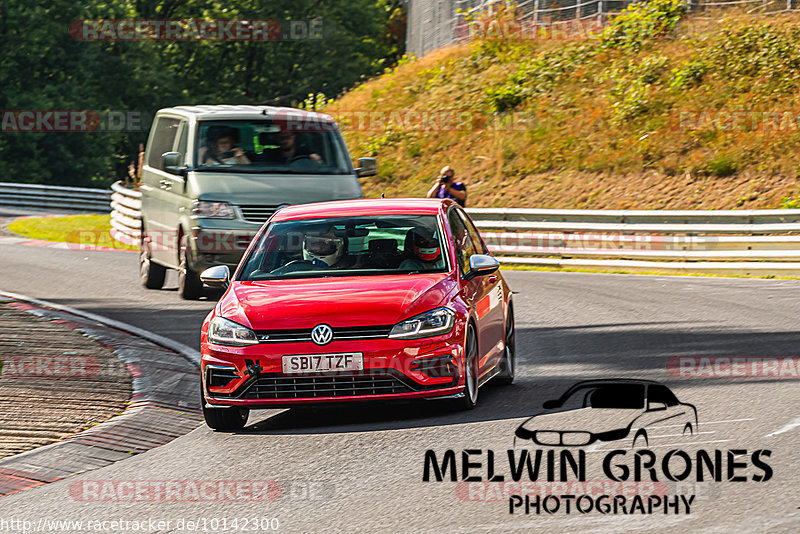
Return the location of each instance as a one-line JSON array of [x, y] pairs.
[[189, 285], [151, 274]]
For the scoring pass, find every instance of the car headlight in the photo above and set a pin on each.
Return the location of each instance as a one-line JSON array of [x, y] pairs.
[[212, 210], [224, 332], [432, 323]]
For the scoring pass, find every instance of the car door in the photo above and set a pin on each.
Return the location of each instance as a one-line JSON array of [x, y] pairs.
[[490, 307], [472, 291]]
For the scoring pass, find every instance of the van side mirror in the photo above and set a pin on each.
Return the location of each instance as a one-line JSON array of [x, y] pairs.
[[173, 163], [367, 167]]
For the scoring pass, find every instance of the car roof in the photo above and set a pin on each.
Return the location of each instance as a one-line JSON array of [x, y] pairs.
[[361, 207], [224, 111]]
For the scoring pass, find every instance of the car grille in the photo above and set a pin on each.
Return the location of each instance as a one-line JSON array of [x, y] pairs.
[[258, 213], [339, 334], [282, 387]]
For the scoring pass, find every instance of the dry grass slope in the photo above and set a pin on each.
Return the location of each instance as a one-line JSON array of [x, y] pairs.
[[626, 119]]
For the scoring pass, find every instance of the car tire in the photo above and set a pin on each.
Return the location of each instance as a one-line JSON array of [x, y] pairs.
[[640, 436], [189, 285], [151, 274], [508, 365], [470, 396], [224, 419]]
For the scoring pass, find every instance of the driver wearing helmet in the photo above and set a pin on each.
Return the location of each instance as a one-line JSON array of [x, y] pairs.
[[326, 250], [426, 251]]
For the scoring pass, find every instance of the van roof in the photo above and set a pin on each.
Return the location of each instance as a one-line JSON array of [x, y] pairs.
[[223, 111]]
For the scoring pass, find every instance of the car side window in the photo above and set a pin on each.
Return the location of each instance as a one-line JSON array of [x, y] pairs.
[[163, 140], [661, 394], [473, 232], [465, 247]]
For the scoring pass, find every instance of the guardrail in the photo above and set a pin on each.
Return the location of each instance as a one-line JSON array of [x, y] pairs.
[[126, 219], [54, 197], [747, 242], [744, 242]]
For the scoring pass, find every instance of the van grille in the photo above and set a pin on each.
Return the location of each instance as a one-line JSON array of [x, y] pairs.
[[258, 213]]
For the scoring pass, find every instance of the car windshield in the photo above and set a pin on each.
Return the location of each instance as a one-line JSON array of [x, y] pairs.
[[270, 146], [346, 246], [620, 396]]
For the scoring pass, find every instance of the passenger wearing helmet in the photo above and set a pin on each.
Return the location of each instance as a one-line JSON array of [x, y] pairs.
[[326, 250], [425, 251]]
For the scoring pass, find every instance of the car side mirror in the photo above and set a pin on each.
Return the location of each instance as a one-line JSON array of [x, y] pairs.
[[656, 406], [481, 265], [173, 163], [549, 405], [216, 276], [367, 167]]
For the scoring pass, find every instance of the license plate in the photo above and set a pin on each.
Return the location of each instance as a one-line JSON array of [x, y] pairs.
[[320, 363]]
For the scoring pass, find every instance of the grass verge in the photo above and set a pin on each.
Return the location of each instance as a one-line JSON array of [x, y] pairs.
[[87, 230]]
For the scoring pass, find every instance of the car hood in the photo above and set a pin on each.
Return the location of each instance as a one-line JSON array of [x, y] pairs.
[[593, 420], [337, 301], [272, 189]]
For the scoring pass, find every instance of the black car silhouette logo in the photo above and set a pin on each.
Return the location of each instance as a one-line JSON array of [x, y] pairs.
[[609, 410]]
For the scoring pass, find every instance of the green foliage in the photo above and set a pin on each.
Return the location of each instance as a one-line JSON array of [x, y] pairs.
[[790, 203], [689, 74], [721, 166], [539, 74], [761, 57], [642, 21], [43, 67]]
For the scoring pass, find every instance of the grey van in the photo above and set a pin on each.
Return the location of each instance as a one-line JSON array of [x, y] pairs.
[[212, 176]]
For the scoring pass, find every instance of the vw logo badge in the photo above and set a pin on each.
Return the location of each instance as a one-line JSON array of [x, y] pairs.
[[322, 334]]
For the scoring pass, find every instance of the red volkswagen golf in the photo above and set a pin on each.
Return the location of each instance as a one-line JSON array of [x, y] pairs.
[[356, 300]]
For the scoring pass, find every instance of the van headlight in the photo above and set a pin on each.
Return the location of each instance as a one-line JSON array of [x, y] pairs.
[[206, 209], [222, 331], [432, 323]]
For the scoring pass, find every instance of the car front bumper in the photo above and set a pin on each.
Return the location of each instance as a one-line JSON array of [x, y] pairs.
[[252, 376]]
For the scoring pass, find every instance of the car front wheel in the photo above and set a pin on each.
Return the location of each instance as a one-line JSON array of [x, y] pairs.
[[224, 419], [470, 395]]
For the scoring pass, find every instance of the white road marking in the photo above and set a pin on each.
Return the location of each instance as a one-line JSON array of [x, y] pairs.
[[785, 428]]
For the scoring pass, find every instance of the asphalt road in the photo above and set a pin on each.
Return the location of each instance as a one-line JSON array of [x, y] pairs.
[[360, 468]]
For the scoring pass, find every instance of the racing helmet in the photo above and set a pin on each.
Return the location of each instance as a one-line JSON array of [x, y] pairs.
[[425, 244], [327, 248]]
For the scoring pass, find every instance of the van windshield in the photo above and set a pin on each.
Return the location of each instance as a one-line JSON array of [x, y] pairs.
[[269, 146]]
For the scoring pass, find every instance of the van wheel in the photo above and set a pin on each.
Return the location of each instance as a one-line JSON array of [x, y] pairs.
[[151, 274], [189, 285]]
